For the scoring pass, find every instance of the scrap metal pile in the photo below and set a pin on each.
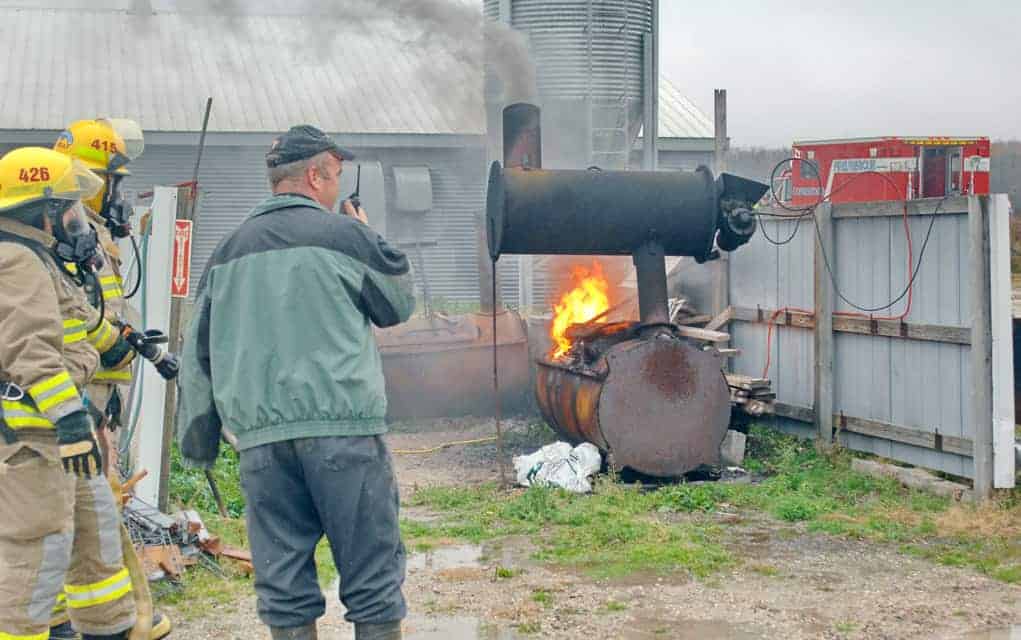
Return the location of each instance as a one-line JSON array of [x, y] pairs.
[[168, 544]]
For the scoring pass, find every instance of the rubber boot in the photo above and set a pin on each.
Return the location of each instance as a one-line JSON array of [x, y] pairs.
[[63, 631], [123, 635], [383, 631], [307, 632], [161, 626]]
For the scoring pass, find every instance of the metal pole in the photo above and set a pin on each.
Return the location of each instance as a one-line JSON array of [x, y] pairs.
[[650, 94], [496, 399], [650, 269], [823, 391], [981, 418], [721, 284], [198, 160], [186, 210]]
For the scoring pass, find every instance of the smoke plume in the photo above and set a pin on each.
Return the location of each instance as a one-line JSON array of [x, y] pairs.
[[431, 31]]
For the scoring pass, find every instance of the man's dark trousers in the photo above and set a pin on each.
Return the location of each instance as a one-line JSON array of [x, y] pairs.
[[343, 487]]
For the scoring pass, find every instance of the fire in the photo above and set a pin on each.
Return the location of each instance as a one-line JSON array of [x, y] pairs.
[[584, 302]]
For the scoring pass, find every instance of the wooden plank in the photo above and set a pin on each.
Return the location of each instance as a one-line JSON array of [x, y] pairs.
[[822, 392], [794, 412], [702, 334], [881, 430], [720, 320], [738, 380], [956, 205], [694, 320], [863, 326], [981, 417]]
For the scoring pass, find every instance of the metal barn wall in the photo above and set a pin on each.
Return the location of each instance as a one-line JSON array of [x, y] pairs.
[[233, 180], [923, 386]]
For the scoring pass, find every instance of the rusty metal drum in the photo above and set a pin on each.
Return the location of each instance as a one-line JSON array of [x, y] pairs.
[[658, 404]]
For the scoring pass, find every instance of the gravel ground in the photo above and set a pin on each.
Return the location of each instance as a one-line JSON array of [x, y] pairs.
[[791, 584]]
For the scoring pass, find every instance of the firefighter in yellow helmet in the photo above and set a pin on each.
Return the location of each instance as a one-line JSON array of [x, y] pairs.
[[59, 527], [106, 146]]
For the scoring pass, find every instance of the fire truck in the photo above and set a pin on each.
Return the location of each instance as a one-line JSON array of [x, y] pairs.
[[891, 168]]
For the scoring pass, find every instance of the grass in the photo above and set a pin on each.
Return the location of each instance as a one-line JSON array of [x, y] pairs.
[[543, 597], [618, 530]]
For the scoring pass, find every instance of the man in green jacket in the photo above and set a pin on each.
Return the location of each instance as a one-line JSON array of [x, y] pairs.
[[281, 352]]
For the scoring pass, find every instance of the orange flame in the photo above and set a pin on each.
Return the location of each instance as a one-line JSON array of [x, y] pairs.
[[581, 304]]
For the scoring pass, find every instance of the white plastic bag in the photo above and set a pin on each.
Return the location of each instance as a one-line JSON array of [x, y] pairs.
[[558, 465]]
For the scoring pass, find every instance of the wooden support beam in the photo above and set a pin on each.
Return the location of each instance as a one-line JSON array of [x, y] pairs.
[[822, 391], [862, 326], [702, 334], [883, 430], [956, 205], [721, 320], [981, 416]]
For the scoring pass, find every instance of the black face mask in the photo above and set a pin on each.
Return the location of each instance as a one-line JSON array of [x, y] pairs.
[[79, 244], [116, 211]]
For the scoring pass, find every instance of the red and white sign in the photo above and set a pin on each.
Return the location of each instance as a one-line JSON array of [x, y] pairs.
[[182, 259]]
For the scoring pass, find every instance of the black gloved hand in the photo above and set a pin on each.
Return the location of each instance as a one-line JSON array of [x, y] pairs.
[[168, 366], [146, 345], [117, 356], [137, 341], [79, 450]]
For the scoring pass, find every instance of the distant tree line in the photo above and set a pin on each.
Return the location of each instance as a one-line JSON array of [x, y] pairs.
[[758, 162]]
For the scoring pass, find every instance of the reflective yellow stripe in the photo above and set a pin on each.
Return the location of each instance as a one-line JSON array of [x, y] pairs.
[[19, 415], [120, 375], [53, 391], [71, 267], [61, 606], [103, 337], [35, 636], [111, 286], [82, 596], [74, 331]]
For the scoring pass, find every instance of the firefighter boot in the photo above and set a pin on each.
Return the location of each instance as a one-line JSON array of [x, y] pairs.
[[384, 631], [161, 626], [63, 631], [307, 632], [123, 635]]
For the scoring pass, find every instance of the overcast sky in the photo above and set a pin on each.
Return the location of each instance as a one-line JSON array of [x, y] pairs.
[[827, 68]]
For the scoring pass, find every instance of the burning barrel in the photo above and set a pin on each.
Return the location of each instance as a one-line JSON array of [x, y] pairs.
[[656, 403], [639, 391]]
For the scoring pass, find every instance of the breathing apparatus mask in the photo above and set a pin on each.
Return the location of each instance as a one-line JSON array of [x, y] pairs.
[[77, 241]]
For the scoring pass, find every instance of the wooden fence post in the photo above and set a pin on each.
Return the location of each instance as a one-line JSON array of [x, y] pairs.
[[981, 346], [823, 384]]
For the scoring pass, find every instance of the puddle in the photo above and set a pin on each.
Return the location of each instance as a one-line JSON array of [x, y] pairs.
[[1012, 632], [455, 628], [432, 628], [459, 556], [687, 630], [510, 553]]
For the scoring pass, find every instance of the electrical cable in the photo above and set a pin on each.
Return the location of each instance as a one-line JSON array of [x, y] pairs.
[[801, 213], [455, 443], [137, 269]]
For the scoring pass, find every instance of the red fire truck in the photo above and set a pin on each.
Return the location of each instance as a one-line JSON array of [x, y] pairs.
[[892, 168]]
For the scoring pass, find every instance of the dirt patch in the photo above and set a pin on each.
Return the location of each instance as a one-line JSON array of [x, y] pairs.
[[788, 583]]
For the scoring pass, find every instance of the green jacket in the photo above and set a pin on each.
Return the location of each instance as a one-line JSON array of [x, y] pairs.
[[281, 344]]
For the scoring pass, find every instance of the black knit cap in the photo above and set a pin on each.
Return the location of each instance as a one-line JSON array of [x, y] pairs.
[[301, 142]]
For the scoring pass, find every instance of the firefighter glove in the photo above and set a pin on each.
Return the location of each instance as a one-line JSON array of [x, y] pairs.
[[167, 365], [79, 450], [119, 355]]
